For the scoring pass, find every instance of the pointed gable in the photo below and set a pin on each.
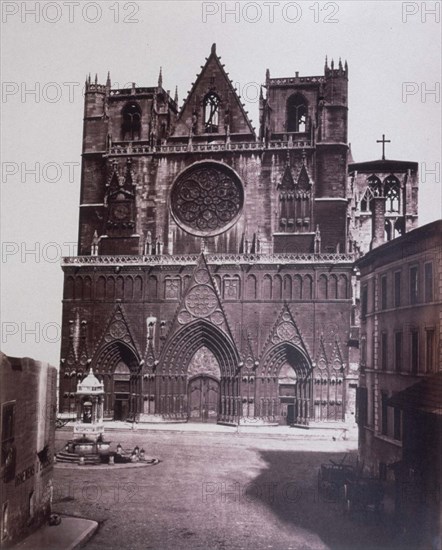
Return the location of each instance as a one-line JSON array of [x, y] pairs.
[[287, 185], [71, 359], [304, 181], [321, 359], [201, 301], [247, 353], [150, 356], [117, 329], [285, 329], [213, 93], [337, 359], [83, 350]]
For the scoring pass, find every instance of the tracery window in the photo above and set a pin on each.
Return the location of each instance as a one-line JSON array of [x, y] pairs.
[[211, 113], [131, 128], [207, 199], [392, 194], [374, 189], [296, 113]]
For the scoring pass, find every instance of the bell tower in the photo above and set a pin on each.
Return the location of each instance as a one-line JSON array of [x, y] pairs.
[[309, 114]]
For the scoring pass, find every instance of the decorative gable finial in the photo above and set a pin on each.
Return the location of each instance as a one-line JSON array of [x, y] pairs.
[[160, 78], [213, 49], [94, 244], [317, 242], [176, 95]]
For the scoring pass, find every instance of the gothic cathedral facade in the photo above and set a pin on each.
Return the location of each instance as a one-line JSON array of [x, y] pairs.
[[214, 279]]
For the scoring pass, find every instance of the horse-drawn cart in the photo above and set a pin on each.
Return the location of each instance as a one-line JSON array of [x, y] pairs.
[[332, 478]]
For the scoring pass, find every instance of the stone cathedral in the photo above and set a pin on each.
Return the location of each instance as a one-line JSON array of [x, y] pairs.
[[214, 280]]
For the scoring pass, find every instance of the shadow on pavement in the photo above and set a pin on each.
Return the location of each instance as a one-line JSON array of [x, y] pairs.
[[289, 487]]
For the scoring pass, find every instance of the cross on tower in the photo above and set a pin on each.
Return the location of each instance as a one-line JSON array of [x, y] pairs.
[[383, 141]]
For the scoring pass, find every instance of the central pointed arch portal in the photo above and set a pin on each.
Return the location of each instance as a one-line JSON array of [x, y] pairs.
[[198, 376], [203, 393]]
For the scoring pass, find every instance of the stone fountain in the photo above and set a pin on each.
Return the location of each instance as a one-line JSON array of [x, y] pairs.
[[88, 445]]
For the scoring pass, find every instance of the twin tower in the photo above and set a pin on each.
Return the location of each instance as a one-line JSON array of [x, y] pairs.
[[290, 178]]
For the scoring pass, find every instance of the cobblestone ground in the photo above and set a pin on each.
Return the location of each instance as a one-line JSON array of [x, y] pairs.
[[215, 491]]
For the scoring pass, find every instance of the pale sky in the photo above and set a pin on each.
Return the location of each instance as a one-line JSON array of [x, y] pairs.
[[394, 57]]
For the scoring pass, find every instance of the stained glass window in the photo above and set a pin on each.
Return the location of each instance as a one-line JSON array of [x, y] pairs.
[[211, 113]]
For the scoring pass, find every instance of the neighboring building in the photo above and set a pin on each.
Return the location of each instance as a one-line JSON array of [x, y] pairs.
[[28, 407], [400, 344], [383, 202], [214, 278]]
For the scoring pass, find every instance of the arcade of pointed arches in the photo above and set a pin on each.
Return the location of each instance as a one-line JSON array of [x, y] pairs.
[[230, 286]]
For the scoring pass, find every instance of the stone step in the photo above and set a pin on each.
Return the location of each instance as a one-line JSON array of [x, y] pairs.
[[73, 458]]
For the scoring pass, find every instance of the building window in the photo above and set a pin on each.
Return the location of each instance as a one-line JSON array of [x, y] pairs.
[[361, 406], [131, 128], [384, 351], [373, 296], [392, 189], [429, 350], [428, 282], [363, 352], [374, 189], [414, 351], [374, 356], [397, 424], [373, 407], [397, 289], [398, 351], [296, 114], [384, 292], [211, 113], [8, 458], [365, 205], [414, 285], [384, 413], [364, 300]]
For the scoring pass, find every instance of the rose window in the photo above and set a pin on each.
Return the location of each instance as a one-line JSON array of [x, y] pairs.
[[207, 199], [201, 301]]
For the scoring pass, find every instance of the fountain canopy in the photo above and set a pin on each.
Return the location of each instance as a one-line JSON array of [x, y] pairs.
[[89, 399], [90, 385]]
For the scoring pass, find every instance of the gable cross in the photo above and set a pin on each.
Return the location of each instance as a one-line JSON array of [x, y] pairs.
[[383, 141]]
